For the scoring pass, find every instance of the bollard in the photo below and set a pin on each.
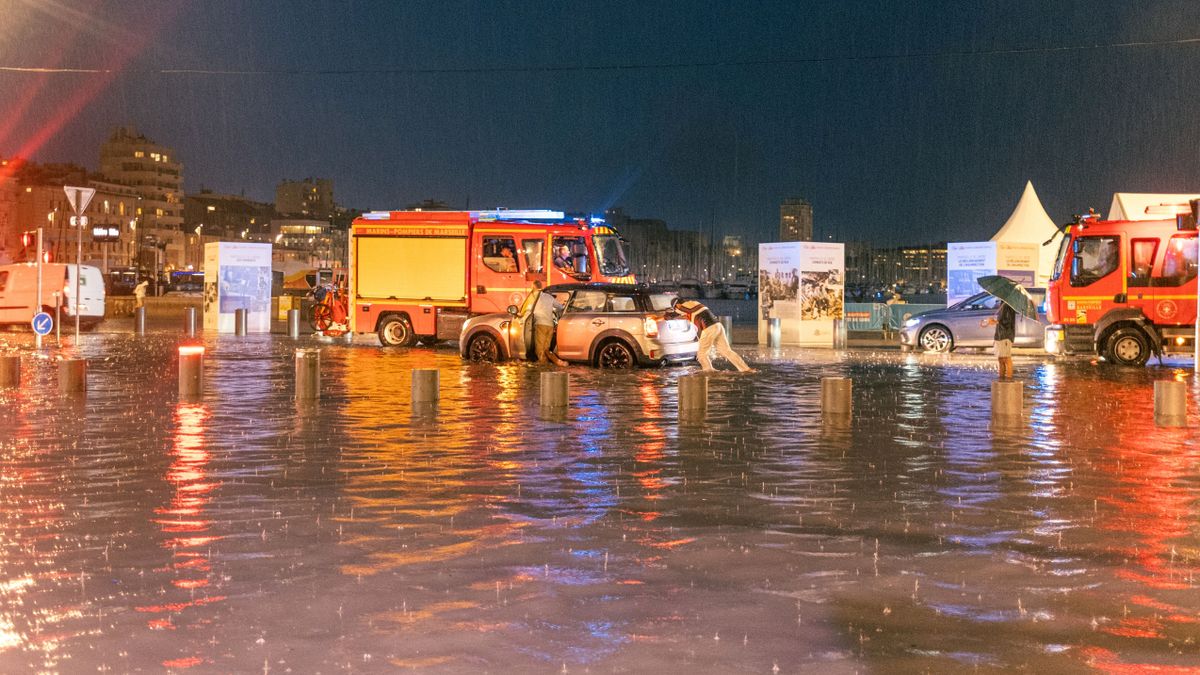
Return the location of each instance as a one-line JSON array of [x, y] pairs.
[[693, 393], [554, 390], [10, 371], [424, 385], [836, 396], [191, 371], [139, 321], [293, 323], [189, 321], [1170, 403], [308, 374], [774, 332], [839, 334], [727, 322], [72, 376], [240, 321], [1008, 399]]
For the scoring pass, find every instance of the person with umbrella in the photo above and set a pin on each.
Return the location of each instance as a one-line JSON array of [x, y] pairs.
[[1013, 298]]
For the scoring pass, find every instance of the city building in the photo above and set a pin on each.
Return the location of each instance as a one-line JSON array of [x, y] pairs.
[[32, 196], [795, 220], [913, 268], [308, 198], [129, 158], [311, 242]]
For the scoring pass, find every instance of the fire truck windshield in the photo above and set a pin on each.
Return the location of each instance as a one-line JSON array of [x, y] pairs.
[[1062, 255], [611, 254]]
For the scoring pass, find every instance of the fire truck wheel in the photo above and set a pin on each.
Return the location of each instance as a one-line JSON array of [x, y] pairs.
[[615, 354], [1127, 347], [483, 347], [396, 331]]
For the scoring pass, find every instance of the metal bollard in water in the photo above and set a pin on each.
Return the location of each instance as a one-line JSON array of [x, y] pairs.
[[1008, 399], [293, 323], [1170, 403], [839, 334], [693, 393], [10, 371], [241, 321], [72, 376], [308, 374], [727, 322], [139, 320], [836, 396], [774, 332], [554, 387], [191, 371], [424, 385], [189, 321]]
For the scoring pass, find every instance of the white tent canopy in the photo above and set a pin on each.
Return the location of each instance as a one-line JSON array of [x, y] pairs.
[[1030, 224], [1133, 205]]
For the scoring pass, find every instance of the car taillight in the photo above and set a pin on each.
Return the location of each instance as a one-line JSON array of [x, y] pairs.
[[651, 327]]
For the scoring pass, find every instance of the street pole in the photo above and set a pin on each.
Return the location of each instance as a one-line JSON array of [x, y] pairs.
[[78, 260], [38, 305]]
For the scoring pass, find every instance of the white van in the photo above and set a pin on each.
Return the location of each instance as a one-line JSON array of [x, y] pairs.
[[18, 293]]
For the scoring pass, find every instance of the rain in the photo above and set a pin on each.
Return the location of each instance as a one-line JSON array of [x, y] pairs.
[[247, 529]]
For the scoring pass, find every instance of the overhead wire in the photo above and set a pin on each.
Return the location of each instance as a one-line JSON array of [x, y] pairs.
[[617, 67]]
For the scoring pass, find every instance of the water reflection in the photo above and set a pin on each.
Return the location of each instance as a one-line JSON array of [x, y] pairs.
[[141, 533]]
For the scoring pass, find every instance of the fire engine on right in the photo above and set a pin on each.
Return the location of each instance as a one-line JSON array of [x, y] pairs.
[[1125, 290]]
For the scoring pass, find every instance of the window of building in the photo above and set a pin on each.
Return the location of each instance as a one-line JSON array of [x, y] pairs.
[[3, 281], [139, 153], [499, 254], [532, 249], [1095, 258], [1141, 260], [1179, 261]]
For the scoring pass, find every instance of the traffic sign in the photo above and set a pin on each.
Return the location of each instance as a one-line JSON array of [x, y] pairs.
[[42, 323], [79, 197]]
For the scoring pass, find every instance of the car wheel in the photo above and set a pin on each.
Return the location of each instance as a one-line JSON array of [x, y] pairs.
[[483, 348], [1127, 347], [615, 354], [396, 331], [936, 338]]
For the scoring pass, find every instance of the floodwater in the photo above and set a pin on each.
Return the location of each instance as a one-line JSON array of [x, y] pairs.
[[245, 532]]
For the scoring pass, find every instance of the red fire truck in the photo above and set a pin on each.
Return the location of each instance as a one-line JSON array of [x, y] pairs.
[[418, 275], [1125, 289]]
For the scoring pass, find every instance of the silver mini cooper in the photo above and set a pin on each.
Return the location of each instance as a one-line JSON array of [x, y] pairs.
[[605, 325]]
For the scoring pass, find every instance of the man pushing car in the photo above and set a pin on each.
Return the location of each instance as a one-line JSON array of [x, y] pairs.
[[712, 334]]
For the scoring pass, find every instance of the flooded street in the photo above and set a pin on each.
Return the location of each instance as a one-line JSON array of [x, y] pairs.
[[248, 532]]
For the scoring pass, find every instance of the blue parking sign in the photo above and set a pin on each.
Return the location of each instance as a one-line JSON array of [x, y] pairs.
[[42, 323]]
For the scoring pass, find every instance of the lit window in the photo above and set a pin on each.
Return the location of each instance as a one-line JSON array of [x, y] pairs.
[[139, 153]]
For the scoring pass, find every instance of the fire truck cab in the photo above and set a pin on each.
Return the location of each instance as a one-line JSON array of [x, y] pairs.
[[1124, 289], [418, 275]]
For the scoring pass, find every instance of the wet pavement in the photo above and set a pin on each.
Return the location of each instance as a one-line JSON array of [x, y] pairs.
[[247, 532]]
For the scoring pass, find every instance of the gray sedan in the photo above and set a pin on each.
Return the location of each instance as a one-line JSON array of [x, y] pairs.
[[963, 325]]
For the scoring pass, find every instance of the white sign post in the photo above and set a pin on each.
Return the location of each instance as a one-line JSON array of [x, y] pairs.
[[79, 197], [37, 306]]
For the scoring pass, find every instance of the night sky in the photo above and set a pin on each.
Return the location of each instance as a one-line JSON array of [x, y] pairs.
[[902, 122]]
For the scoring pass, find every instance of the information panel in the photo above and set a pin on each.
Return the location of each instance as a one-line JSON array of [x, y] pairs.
[[802, 284], [237, 276]]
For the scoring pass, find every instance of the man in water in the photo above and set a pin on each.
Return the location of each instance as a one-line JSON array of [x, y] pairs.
[[712, 334], [544, 310]]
